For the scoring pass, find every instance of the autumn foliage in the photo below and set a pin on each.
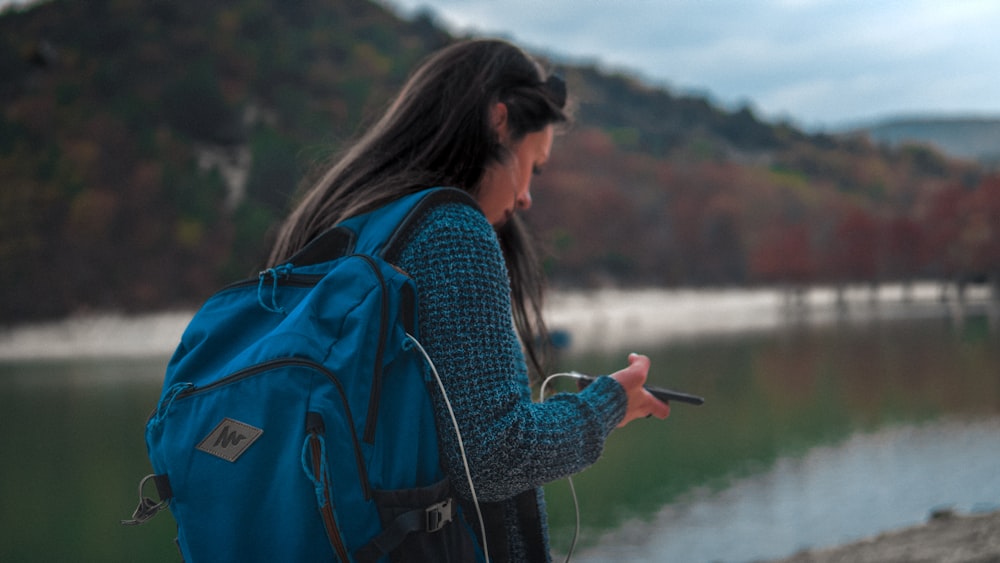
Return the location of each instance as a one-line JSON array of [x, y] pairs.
[[146, 156], [628, 218]]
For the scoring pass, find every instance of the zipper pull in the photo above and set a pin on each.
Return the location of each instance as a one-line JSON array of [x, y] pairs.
[[168, 398], [276, 274], [314, 456]]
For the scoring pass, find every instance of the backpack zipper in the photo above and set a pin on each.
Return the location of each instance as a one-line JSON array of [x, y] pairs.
[[309, 280], [298, 362], [321, 478], [373, 400]]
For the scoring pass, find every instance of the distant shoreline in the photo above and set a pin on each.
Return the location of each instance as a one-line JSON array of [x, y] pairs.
[[614, 319], [598, 320], [102, 335]]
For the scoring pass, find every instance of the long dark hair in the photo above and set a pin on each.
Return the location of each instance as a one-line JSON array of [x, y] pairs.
[[437, 132]]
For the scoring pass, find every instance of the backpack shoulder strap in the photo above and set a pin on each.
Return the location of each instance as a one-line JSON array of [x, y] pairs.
[[393, 246], [382, 231]]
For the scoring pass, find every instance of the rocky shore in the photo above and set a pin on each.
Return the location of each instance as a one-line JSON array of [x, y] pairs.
[[945, 538]]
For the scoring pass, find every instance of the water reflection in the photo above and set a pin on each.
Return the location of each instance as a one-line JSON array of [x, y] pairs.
[[874, 481], [809, 435], [72, 451], [777, 398]]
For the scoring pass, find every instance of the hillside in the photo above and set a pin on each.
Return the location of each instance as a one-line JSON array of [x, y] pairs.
[[973, 138], [146, 156]]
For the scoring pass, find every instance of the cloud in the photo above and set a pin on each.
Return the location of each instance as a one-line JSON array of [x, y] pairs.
[[818, 61]]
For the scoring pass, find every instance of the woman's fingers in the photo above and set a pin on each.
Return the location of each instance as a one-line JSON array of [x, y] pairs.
[[640, 402]]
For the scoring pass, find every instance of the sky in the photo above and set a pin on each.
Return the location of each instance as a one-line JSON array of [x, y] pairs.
[[820, 64]]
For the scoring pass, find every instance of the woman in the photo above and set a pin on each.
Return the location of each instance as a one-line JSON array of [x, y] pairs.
[[479, 116]]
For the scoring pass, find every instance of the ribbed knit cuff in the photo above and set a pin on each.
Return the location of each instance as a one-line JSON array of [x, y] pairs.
[[609, 400]]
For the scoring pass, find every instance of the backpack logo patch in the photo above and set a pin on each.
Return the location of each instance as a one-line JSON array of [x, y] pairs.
[[229, 439]]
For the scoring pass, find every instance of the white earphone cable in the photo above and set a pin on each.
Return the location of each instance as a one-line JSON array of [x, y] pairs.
[[461, 446], [465, 461], [569, 478]]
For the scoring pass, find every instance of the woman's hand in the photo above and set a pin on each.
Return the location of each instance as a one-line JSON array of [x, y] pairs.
[[640, 402]]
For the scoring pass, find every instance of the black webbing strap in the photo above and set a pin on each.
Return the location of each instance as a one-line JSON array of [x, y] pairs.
[[332, 243], [529, 519], [428, 520], [496, 528], [531, 525], [436, 516]]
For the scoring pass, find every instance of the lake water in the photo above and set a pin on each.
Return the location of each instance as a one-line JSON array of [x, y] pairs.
[[810, 436]]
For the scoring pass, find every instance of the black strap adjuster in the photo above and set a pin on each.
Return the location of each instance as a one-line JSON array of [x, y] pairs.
[[439, 515], [419, 520]]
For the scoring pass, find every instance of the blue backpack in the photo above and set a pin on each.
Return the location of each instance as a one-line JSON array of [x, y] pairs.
[[296, 421]]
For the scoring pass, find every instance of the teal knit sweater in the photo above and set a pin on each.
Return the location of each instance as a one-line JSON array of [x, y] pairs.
[[512, 444]]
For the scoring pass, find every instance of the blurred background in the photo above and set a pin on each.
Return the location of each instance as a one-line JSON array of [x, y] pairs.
[[793, 207]]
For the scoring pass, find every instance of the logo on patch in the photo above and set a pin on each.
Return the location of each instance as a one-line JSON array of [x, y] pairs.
[[229, 439]]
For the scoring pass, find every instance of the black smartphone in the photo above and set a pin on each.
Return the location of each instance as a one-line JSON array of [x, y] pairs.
[[660, 393]]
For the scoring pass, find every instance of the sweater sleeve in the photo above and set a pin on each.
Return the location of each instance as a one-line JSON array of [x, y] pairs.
[[511, 443]]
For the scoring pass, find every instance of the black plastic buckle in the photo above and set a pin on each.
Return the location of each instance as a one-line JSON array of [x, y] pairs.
[[438, 515]]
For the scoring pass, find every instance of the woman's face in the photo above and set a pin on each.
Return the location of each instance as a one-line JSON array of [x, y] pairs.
[[506, 186]]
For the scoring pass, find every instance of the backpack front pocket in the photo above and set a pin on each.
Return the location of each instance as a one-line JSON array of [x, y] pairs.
[[258, 479]]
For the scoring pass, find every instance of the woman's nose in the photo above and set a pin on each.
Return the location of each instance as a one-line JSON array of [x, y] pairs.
[[524, 200]]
